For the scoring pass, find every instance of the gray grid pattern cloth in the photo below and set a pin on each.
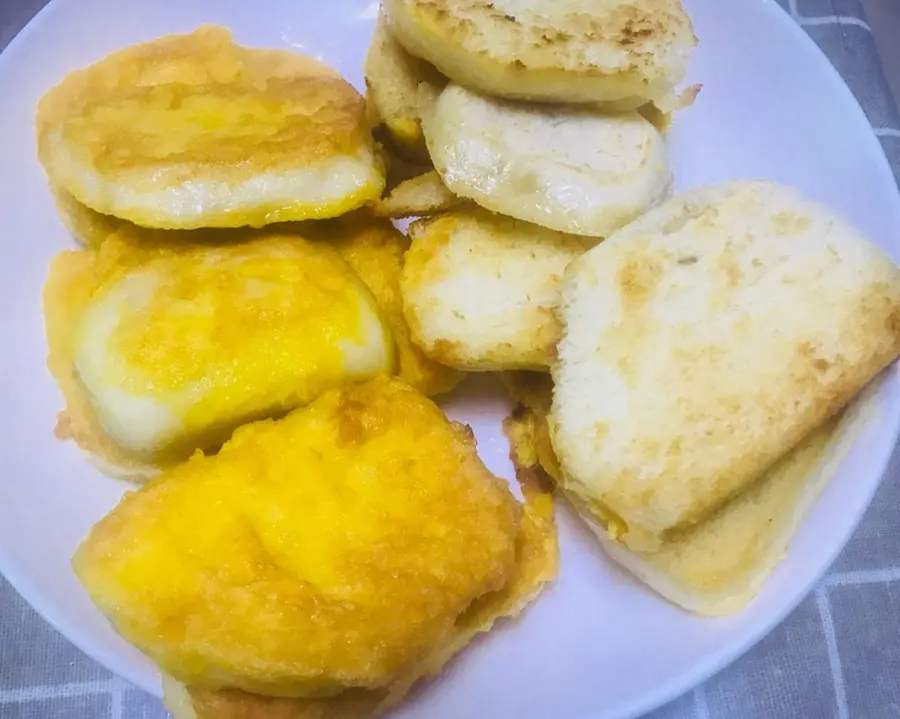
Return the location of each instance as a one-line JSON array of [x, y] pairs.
[[836, 657]]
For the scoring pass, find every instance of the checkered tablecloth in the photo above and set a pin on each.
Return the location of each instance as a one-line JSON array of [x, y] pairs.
[[836, 657]]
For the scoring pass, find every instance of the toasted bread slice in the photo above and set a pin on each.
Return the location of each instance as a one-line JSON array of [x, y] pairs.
[[192, 131], [398, 88], [480, 290], [570, 169], [621, 53], [703, 342]]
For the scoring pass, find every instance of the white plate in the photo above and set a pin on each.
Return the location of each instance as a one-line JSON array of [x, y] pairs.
[[596, 644]]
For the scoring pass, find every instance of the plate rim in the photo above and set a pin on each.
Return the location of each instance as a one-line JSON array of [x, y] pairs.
[[693, 676], [717, 661]]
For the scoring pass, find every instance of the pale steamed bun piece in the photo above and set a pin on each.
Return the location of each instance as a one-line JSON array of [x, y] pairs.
[[620, 53], [717, 567], [567, 168], [480, 290], [703, 342]]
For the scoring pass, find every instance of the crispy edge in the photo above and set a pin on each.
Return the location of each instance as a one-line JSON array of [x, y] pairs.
[[527, 429], [72, 279], [422, 195]]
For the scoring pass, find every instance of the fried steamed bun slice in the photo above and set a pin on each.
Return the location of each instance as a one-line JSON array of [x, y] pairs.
[[479, 290], [399, 87], [160, 350], [717, 566], [619, 53], [567, 168], [333, 550], [703, 342], [90, 228], [372, 247], [193, 131], [375, 251], [536, 564]]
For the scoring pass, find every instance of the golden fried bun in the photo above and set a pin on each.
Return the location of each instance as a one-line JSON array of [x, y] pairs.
[[195, 131], [706, 340], [619, 53], [479, 290], [90, 228], [569, 169], [159, 351], [374, 249], [536, 564], [330, 550], [399, 87]]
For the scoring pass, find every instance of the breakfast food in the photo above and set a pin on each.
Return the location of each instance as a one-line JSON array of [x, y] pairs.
[[398, 88], [570, 169], [717, 566], [375, 249], [479, 290], [316, 536], [372, 247], [421, 195], [162, 350], [536, 565], [364, 523], [620, 53], [702, 343], [195, 131]]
